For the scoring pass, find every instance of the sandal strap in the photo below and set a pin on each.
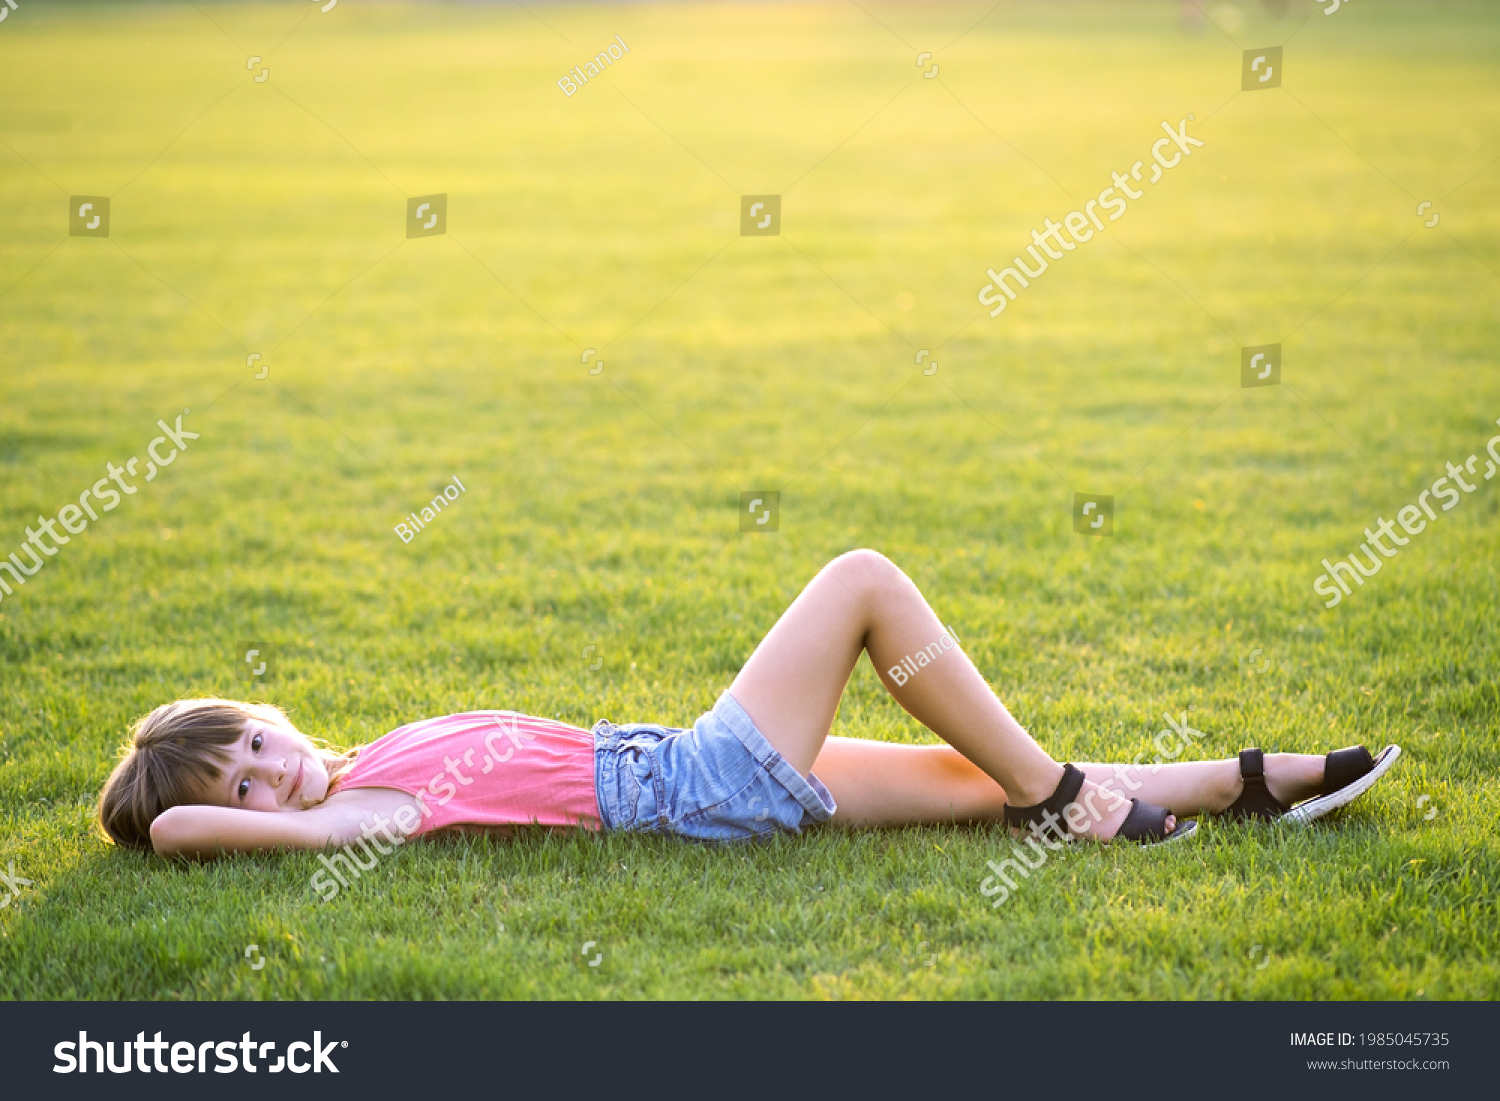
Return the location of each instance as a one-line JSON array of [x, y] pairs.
[[1256, 800], [1066, 792], [1253, 766], [1145, 822], [1343, 766]]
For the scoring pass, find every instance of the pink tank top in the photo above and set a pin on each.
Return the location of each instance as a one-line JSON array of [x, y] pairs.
[[485, 768]]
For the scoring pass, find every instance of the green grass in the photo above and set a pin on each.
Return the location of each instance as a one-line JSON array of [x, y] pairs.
[[602, 509]]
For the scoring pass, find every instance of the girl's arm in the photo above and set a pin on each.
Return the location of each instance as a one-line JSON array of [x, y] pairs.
[[205, 831]]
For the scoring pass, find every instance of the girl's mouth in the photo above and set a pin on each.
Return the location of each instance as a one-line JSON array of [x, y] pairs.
[[297, 783]]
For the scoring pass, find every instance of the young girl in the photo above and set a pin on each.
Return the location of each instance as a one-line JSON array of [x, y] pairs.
[[205, 776]]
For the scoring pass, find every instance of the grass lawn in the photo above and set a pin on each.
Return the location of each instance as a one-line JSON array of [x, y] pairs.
[[266, 217]]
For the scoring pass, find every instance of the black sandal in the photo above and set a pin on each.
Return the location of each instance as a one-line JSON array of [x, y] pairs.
[[1347, 774], [1146, 824]]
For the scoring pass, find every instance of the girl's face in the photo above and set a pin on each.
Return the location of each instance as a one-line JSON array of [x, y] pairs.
[[271, 768]]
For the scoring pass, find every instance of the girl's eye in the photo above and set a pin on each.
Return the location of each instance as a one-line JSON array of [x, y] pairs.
[[255, 743], [244, 787]]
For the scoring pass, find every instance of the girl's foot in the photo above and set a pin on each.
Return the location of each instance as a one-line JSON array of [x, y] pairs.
[[1297, 787], [1107, 825], [1097, 814], [1290, 777], [1266, 785]]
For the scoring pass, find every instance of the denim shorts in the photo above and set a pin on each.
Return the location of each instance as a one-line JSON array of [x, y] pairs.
[[718, 782]]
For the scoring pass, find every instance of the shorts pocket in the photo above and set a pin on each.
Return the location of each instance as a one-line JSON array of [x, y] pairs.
[[637, 789]]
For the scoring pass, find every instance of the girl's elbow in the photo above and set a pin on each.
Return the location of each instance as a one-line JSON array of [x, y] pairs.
[[163, 835], [169, 833]]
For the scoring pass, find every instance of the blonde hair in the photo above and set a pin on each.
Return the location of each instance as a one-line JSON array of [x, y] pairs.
[[173, 752]]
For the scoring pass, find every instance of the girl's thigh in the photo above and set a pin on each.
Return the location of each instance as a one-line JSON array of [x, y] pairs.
[[792, 684]]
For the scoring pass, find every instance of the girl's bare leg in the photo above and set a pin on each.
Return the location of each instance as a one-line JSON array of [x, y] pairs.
[[860, 602], [883, 784]]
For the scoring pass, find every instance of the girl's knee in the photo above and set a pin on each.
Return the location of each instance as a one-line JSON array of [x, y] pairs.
[[865, 570]]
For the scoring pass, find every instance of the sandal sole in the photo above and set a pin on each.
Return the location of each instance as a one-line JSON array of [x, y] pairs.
[[1185, 828], [1306, 812]]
